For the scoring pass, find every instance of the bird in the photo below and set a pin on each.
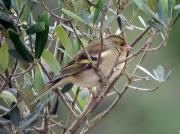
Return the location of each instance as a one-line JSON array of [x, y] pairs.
[[79, 70]]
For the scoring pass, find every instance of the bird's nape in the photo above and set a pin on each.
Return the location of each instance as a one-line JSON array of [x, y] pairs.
[[116, 39]]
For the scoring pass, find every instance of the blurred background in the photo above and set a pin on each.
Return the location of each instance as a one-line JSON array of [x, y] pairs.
[[147, 112], [155, 112]]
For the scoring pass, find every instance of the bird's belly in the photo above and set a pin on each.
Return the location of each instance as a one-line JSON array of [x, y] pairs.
[[87, 78]]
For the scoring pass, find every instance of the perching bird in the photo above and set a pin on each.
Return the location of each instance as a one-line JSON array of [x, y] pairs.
[[79, 71]]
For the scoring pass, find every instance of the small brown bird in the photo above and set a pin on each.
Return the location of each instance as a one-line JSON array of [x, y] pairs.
[[79, 71]]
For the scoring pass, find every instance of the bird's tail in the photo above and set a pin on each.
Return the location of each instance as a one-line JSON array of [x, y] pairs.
[[50, 85]]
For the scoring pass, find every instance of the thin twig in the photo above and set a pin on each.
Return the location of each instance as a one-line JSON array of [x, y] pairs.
[[73, 105], [136, 53], [66, 103], [136, 76], [143, 89], [134, 42], [58, 124], [52, 13], [17, 75]]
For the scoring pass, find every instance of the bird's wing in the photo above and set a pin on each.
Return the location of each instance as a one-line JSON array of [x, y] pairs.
[[93, 49], [80, 61], [74, 67]]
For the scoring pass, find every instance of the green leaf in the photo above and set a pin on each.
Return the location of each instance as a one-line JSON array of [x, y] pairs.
[[171, 7], [99, 7], [13, 53], [51, 61], [64, 39], [8, 97], [146, 71], [81, 5], [74, 16], [153, 5], [20, 47], [42, 37], [144, 7], [163, 10], [4, 58], [14, 115], [36, 28], [38, 79]]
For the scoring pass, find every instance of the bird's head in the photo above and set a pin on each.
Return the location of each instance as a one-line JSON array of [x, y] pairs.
[[118, 42]]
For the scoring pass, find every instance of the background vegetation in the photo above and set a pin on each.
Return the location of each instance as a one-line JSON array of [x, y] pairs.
[[37, 39]]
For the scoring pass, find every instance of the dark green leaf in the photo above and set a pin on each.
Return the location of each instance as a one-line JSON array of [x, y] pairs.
[[7, 4], [99, 6], [6, 21], [4, 57], [42, 37], [67, 88], [20, 47], [14, 115], [36, 28], [13, 53]]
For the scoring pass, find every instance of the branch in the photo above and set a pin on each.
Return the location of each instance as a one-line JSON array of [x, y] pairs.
[[101, 31], [144, 89]]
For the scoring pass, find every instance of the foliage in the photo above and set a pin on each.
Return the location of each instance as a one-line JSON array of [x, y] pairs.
[[33, 49]]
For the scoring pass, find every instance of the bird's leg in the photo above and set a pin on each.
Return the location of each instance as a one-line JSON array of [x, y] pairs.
[[93, 93]]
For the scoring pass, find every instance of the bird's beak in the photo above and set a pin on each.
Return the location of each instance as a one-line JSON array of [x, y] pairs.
[[126, 48]]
